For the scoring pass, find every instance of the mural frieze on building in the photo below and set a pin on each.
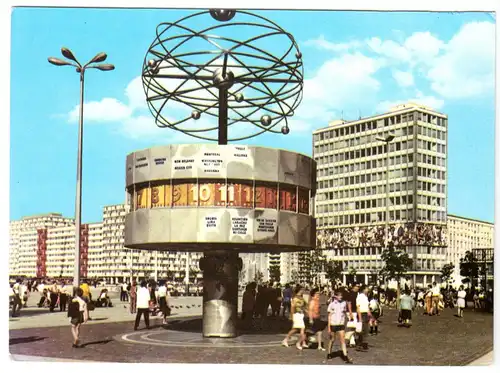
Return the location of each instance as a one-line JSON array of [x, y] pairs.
[[405, 234]]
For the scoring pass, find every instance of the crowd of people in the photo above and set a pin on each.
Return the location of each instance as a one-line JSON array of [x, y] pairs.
[[318, 315], [349, 314]]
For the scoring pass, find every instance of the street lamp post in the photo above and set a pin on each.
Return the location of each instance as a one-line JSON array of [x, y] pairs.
[[92, 64], [387, 139]]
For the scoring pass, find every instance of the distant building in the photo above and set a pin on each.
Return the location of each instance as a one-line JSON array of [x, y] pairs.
[[23, 240], [467, 235], [44, 246]]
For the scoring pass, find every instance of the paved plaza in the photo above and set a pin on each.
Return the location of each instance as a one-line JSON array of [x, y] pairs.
[[109, 337]]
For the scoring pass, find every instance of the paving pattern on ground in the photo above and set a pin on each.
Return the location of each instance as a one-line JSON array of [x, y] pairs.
[[438, 340]]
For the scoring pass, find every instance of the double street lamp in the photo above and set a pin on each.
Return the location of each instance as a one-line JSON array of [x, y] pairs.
[[94, 63]]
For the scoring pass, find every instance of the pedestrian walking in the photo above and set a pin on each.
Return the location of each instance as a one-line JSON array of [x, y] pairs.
[[248, 305], [78, 314], [16, 299], [364, 316], [63, 297], [143, 299], [133, 298], [163, 301], [298, 310], [436, 294], [287, 299], [54, 294], [123, 293], [406, 305], [317, 325], [375, 311], [428, 301], [461, 295], [337, 311]]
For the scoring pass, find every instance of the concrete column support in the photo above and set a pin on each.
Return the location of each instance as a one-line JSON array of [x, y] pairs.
[[220, 293]]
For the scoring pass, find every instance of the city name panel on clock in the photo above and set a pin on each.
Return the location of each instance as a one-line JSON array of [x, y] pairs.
[[195, 197]]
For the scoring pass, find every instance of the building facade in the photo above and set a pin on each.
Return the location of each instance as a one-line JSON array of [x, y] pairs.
[[350, 204], [44, 246], [23, 240], [467, 235]]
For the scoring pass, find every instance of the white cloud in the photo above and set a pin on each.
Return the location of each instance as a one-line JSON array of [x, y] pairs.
[[322, 43], [423, 47], [419, 98], [466, 69], [394, 52], [340, 81], [340, 84], [135, 94], [106, 110], [463, 67], [403, 78]]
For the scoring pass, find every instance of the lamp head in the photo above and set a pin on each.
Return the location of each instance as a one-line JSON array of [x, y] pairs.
[[68, 54], [58, 62], [100, 57], [105, 67]]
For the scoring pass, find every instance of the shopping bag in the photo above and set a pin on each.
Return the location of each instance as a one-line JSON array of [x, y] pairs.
[[359, 327]]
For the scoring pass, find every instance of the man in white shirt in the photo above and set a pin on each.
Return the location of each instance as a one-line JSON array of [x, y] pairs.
[[436, 292], [143, 298], [364, 316], [124, 292]]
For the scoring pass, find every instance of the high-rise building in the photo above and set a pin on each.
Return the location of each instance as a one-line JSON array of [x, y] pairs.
[[23, 241], [44, 246], [351, 193], [466, 235]]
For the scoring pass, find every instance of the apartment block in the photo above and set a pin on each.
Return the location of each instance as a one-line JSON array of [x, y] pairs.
[[44, 246]]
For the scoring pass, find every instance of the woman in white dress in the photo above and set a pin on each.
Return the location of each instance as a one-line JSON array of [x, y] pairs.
[[461, 301], [297, 314]]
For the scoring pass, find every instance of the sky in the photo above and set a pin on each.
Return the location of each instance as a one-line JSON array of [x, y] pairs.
[[355, 63]]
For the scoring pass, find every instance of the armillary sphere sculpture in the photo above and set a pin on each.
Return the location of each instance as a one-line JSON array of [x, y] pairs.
[[224, 71], [221, 199]]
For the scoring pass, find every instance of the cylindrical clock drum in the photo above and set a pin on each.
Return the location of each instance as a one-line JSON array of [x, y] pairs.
[[221, 200]]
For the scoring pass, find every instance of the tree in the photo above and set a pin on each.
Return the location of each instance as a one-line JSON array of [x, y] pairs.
[[446, 272], [352, 274], [334, 270], [259, 276], [317, 263], [469, 268], [295, 277], [275, 273], [397, 263]]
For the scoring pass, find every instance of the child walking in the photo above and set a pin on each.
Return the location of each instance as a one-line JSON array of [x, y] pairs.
[[336, 325]]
